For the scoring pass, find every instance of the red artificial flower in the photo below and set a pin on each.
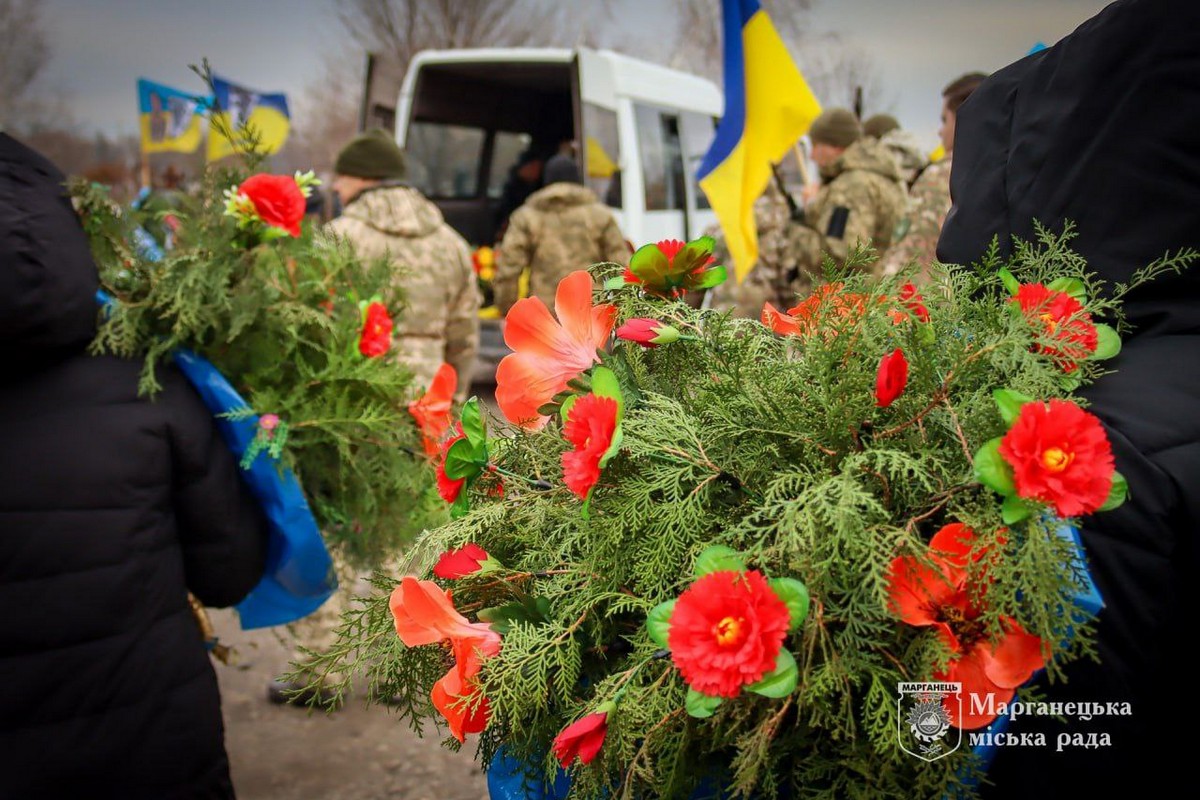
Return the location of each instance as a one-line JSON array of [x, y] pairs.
[[726, 631], [448, 487], [911, 299], [1061, 319], [802, 319], [277, 200], [891, 378], [547, 354], [1061, 456], [582, 738], [432, 410], [590, 426], [647, 332], [376, 336], [424, 613], [938, 596], [455, 564]]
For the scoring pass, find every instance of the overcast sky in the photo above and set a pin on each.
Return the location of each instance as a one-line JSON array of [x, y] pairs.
[[101, 47]]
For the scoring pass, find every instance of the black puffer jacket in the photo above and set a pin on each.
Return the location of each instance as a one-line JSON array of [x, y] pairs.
[[1104, 129], [111, 508]]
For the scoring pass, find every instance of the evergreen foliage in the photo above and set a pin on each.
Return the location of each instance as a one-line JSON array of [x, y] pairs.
[[280, 318], [775, 447]]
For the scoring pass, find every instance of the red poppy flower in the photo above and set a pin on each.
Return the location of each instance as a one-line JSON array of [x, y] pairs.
[[1062, 320], [376, 336], [582, 738], [432, 410], [547, 354], [277, 200], [938, 595], [891, 378], [590, 426], [448, 487], [455, 564], [911, 299], [726, 631], [1060, 455], [647, 332], [671, 267]]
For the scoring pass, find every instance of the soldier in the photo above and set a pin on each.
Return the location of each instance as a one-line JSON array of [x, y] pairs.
[[860, 199], [929, 199], [910, 160], [776, 277], [562, 227], [384, 218]]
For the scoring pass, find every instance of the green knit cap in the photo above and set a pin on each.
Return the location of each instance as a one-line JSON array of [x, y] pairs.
[[879, 125], [373, 154], [837, 127]]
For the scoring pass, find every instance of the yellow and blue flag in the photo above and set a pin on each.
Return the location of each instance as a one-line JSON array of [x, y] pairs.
[[170, 119], [238, 109], [768, 107]]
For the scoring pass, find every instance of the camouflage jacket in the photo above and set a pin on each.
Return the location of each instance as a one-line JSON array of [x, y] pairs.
[[776, 277], [560, 228], [433, 269], [928, 205], [861, 201]]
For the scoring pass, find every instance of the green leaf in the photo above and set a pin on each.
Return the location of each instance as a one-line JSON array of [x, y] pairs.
[[693, 256], [1009, 401], [716, 558], [461, 461], [713, 276], [472, 422], [566, 407], [658, 623], [462, 504], [992, 470], [1108, 342], [605, 384], [501, 617], [781, 681], [615, 282], [1117, 494], [649, 264], [1071, 286], [1014, 509], [699, 705], [1010, 283], [614, 446], [794, 595]]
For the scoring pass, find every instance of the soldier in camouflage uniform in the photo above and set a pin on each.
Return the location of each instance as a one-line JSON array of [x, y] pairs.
[[929, 198], [562, 227], [384, 218], [860, 200], [776, 277]]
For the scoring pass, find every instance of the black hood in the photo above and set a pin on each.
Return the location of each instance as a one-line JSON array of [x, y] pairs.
[[1102, 129], [48, 280]]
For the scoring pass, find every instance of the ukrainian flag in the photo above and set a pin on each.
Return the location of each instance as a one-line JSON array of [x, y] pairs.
[[768, 106], [236, 108], [170, 119]]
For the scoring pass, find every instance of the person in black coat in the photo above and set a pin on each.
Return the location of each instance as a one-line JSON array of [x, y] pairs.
[[112, 507], [1102, 129]]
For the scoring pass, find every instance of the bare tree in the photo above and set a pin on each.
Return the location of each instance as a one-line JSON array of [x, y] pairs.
[[326, 115], [837, 70], [698, 48], [24, 52]]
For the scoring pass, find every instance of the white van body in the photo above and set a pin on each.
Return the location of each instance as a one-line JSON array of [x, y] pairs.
[[638, 130]]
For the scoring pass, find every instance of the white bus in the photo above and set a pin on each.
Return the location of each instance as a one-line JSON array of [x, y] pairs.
[[638, 130]]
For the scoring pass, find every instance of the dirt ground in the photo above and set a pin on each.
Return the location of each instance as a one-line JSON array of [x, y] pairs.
[[357, 753]]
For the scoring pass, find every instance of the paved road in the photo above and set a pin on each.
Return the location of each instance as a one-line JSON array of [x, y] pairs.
[[357, 753]]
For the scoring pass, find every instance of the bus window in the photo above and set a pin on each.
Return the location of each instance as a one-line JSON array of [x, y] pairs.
[[662, 159], [506, 149], [697, 131], [602, 153], [443, 160]]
